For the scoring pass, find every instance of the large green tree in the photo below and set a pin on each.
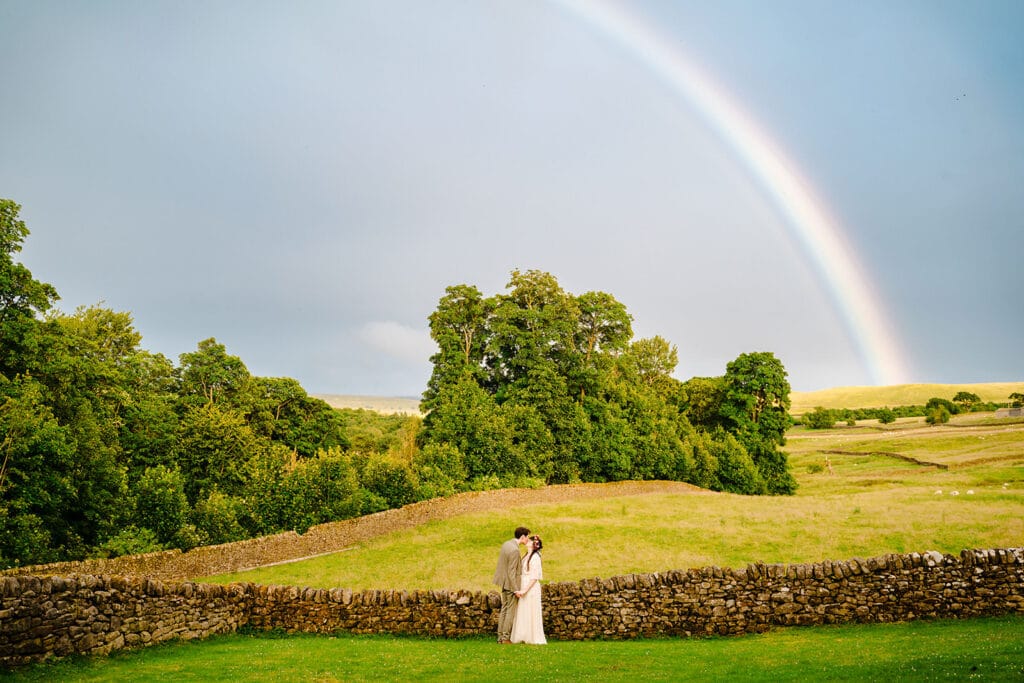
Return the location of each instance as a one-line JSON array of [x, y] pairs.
[[756, 402]]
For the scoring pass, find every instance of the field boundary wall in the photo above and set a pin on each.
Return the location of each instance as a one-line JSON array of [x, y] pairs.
[[54, 616]]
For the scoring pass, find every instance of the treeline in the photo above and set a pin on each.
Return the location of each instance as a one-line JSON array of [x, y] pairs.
[[108, 449]]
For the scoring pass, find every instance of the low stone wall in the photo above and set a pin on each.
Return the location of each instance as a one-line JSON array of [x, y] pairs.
[[56, 616], [336, 536]]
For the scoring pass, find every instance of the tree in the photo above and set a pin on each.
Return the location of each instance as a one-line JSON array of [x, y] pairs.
[[160, 503], [212, 447], [1017, 399], [966, 400], [21, 296], [886, 415], [533, 325], [757, 404], [210, 375], [458, 326], [936, 402], [281, 410], [603, 331], [653, 360], [701, 400]]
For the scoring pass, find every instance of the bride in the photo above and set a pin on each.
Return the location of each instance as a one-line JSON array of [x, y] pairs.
[[529, 624]]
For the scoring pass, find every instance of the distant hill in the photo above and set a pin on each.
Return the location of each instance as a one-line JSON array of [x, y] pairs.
[[896, 395], [386, 405], [803, 401]]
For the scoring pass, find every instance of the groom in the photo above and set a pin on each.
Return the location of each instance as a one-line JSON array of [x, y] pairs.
[[506, 576]]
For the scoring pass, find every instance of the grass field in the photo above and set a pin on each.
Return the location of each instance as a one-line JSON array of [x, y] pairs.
[[989, 649], [897, 395], [870, 504]]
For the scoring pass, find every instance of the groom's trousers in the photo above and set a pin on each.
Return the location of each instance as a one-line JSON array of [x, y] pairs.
[[507, 615]]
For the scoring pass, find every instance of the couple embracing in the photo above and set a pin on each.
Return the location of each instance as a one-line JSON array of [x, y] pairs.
[[518, 576]]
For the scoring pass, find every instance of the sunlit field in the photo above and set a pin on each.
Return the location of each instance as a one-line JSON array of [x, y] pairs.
[[897, 395], [868, 504]]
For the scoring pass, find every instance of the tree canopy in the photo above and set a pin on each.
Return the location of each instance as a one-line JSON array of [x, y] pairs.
[[540, 383]]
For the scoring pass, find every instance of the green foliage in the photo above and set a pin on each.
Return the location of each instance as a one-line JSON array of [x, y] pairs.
[[539, 382], [886, 416], [130, 540], [106, 447], [1016, 399], [966, 400], [160, 503], [757, 405], [820, 418], [215, 519], [391, 479], [938, 414]]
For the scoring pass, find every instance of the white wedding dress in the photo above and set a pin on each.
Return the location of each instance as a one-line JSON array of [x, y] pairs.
[[529, 623]]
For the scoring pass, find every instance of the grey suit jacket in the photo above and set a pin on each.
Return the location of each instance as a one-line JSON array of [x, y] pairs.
[[509, 565]]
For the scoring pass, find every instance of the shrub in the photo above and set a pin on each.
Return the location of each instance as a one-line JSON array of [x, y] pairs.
[[160, 503], [886, 416], [937, 415], [820, 418], [130, 541]]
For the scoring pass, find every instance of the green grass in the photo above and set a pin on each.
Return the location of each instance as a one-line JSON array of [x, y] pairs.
[[988, 649], [662, 532], [869, 505], [897, 395]]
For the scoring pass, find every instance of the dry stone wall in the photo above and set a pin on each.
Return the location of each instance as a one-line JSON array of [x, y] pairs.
[[56, 616]]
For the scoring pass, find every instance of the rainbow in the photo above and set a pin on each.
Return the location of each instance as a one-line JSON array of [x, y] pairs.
[[806, 216]]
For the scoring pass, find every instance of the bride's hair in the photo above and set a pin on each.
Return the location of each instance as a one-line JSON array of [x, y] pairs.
[[537, 545]]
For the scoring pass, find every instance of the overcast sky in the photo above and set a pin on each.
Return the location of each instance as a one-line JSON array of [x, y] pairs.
[[302, 180]]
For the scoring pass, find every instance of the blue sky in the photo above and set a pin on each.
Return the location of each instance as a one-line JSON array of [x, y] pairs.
[[302, 180]]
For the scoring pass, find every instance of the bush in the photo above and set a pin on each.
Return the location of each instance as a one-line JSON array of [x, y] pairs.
[[391, 479], [130, 541], [820, 418], [160, 502], [886, 416], [216, 520], [937, 415]]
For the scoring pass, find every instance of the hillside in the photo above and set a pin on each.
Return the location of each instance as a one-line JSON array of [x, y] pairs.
[[896, 395], [387, 405]]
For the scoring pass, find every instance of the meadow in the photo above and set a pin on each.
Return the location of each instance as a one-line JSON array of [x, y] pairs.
[[857, 498]]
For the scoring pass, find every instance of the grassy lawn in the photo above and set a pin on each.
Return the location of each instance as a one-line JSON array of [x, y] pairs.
[[986, 649]]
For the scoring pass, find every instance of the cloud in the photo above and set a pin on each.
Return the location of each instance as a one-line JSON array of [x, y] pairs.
[[411, 345]]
